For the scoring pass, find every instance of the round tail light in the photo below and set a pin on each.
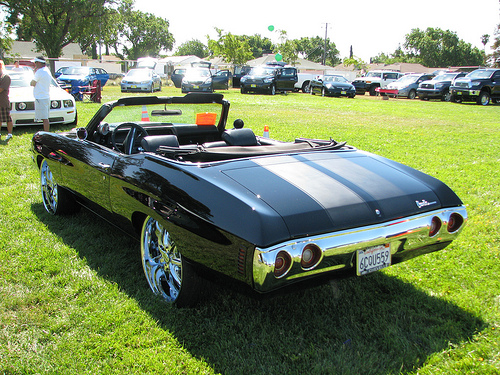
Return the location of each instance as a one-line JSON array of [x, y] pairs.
[[311, 255], [282, 263], [455, 222], [435, 226]]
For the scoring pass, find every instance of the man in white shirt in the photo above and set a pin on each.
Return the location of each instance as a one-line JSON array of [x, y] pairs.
[[41, 91]]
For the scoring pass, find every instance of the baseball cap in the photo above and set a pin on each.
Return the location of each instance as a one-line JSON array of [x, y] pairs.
[[39, 59]]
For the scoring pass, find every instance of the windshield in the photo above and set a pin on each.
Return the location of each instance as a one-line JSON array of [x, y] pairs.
[[77, 70], [139, 73], [480, 74], [23, 79], [161, 114], [198, 73], [334, 79], [262, 71], [408, 79], [374, 74], [445, 77]]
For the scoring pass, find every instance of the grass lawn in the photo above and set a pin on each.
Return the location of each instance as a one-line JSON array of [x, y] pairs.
[[73, 298]]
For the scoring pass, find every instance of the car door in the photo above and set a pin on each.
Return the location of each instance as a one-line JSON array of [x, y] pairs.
[[286, 78], [220, 80], [177, 76], [102, 75], [86, 169], [495, 80]]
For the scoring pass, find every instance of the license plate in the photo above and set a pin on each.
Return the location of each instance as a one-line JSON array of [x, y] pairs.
[[342, 92], [134, 86], [196, 87], [373, 259], [459, 92], [253, 85]]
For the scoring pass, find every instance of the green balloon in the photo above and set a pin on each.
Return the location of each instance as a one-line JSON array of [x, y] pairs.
[[271, 28], [278, 57]]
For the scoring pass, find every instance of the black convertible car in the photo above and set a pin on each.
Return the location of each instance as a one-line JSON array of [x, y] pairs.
[[209, 201]]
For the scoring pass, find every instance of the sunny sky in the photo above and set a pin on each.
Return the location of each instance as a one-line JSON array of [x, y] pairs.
[[369, 26]]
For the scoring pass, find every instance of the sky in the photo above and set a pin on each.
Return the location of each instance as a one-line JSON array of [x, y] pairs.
[[370, 27]]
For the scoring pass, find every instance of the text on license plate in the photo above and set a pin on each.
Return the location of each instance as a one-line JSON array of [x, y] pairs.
[[343, 92], [373, 259]]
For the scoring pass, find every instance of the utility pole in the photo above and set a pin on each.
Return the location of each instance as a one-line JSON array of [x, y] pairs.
[[324, 50]]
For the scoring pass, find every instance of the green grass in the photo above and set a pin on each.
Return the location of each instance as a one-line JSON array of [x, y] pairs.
[[73, 299]]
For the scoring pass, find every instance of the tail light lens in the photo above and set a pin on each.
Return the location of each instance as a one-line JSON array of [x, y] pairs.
[[435, 226], [311, 255], [282, 263], [455, 222]]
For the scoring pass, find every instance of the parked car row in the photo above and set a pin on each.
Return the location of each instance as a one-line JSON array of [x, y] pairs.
[[481, 85]]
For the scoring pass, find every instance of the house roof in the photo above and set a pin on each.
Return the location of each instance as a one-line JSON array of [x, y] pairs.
[[180, 60], [300, 64], [28, 50], [400, 67]]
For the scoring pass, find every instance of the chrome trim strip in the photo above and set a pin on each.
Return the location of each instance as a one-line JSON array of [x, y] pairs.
[[407, 237]]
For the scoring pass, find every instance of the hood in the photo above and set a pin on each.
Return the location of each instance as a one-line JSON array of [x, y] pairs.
[[25, 94], [73, 77], [345, 85], [321, 193]]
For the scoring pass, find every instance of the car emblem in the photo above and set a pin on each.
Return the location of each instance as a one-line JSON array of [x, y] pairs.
[[424, 203]]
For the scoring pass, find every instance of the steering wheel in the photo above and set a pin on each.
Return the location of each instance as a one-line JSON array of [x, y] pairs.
[[134, 133]]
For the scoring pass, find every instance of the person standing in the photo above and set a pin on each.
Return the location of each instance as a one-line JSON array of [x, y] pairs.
[[41, 91], [4, 100]]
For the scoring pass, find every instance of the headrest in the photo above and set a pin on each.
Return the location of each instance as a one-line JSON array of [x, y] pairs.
[[151, 143], [239, 137]]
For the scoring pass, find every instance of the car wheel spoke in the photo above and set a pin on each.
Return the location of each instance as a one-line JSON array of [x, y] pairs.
[[162, 262]]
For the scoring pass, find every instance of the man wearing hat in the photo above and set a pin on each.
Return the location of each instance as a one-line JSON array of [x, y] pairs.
[[41, 91]]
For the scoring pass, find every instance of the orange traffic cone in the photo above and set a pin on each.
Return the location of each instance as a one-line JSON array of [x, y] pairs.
[[145, 116], [266, 131]]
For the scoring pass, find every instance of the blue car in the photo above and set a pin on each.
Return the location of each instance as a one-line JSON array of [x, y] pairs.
[[78, 76]]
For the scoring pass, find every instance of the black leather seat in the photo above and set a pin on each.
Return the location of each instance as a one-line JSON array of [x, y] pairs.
[[151, 143], [240, 137]]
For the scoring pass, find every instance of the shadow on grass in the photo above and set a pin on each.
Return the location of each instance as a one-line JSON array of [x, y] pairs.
[[376, 324]]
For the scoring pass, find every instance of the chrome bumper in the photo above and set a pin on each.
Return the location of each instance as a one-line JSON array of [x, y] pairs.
[[407, 237]]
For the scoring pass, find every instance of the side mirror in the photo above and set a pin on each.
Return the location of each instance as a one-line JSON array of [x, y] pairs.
[[81, 134]]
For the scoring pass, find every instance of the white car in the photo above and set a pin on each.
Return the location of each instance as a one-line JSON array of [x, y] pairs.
[[62, 104]]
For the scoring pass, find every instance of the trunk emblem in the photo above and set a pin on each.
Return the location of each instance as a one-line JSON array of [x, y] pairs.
[[424, 203]]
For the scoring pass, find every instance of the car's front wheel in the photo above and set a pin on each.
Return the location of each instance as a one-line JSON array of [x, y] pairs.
[[412, 94], [167, 272], [484, 98], [56, 200]]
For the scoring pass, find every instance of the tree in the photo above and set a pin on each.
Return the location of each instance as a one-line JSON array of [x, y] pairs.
[[193, 47], [287, 48], [53, 24], [312, 49], [5, 40], [437, 48], [141, 34], [232, 48], [258, 45]]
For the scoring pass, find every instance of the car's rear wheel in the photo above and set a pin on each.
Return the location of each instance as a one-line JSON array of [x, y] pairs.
[[446, 97], [167, 272], [484, 98], [272, 90], [56, 200]]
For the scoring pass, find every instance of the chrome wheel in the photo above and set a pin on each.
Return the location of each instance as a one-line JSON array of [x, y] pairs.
[[56, 200], [167, 273], [49, 188]]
